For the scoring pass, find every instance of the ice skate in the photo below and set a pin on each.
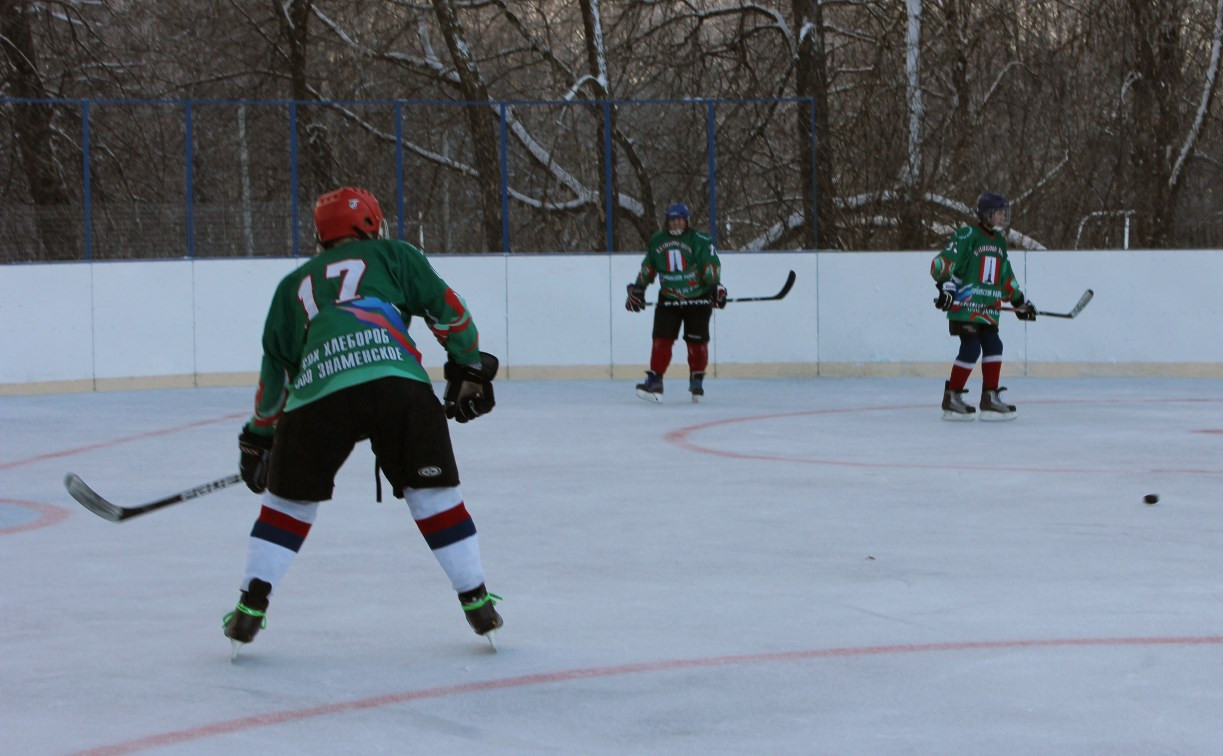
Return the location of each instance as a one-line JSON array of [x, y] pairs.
[[651, 388], [478, 605], [696, 386], [954, 408], [248, 618], [993, 409]]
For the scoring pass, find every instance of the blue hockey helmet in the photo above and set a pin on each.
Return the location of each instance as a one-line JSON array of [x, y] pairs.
[[988, 204], [678, 210]]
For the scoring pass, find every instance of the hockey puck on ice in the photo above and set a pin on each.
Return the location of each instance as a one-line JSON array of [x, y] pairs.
[[1151, 498]]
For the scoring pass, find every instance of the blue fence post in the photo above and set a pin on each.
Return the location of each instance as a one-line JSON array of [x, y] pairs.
[[293, 176], [815, 183], [188, 129], [86, 180], [713, 173], [505, 181], [399, 199], [609, 202]]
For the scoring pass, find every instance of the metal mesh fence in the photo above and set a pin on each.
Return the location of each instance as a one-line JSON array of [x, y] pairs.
[[109, 180]]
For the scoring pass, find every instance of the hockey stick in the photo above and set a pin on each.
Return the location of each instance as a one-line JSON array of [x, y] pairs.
[[1083, 300], [115, 513], [785, 289]]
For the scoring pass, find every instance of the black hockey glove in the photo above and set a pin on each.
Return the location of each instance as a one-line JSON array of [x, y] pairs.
[[636, 298], [946, 295], [719, 296], [469, 388], [256, 450], [1024, 309]]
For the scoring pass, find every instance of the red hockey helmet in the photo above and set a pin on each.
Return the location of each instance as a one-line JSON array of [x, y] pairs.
[[348, 211]]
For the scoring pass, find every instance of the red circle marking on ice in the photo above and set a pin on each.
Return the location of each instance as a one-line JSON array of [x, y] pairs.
[[293, 715], [48, 514], [51, 514], [681, 437]]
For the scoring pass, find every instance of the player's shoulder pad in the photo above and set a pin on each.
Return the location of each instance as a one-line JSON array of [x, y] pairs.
[[400, 245], [963, 232], [414, 254]]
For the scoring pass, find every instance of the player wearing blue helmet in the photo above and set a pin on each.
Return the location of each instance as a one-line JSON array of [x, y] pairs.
[[690, 280], [677, 212], [974, 278], [993, 211]]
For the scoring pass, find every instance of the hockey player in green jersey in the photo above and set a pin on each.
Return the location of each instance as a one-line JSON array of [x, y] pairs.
[[689, 276], [339, 367], [974, 278]]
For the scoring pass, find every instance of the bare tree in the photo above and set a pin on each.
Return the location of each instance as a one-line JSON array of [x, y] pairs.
[[813, 127], [912, 174], [480, 122], [1154, 33], [596, 59], [293, 50], [39, 140], [1088, 114]]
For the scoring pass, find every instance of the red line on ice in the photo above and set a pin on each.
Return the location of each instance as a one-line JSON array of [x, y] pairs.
[[117, 441], [293, 715]]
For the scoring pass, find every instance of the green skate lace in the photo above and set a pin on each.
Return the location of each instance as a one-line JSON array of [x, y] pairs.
[[246, 610], [477, 604]]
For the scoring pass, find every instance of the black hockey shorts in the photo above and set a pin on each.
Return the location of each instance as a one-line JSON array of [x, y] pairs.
[[975, 338], [402, 419], [695, 319]]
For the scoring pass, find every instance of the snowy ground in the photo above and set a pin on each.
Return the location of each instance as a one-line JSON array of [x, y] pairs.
[[791, 566]]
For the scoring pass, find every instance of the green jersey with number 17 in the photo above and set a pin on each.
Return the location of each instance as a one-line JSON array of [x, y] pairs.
[[342, 319]]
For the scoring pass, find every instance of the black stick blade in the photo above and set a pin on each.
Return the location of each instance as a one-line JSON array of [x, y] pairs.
[[785, 289], [90, 499], [789, 285], [1083, 300]]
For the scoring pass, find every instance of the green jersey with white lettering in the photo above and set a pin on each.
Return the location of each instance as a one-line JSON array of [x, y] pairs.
[[976, 261], [687, 266], [342, 319]]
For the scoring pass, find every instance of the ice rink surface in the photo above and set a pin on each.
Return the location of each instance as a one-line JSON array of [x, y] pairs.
[[797, 566]]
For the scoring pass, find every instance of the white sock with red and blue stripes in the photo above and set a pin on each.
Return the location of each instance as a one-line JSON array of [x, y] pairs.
[[450, 532], [276, 537]]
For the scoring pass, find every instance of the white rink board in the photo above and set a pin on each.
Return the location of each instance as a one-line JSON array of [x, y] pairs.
[[228, 339], [879, 307], [559, 311], [1149, 306], [143, 321], [46, 323], [182, 322]]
